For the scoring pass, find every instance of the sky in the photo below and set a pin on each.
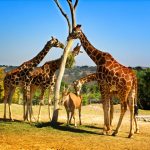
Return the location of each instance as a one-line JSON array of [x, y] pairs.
[[119, 27]]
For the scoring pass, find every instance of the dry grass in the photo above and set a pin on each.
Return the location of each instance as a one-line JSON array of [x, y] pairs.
[[43, 136]]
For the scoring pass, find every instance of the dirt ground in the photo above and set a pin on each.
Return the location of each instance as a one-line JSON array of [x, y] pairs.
[[18, 135]]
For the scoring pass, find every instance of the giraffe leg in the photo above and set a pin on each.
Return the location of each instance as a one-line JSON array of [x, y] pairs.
[[32, 91], [24, 109], [49, 104], [71, 115], [106, 108], [74, 117], [132, 116], [29, 103], [49, 110], [104, 128], [131, 108], [80, 116], [6, 95], [131, 104], [136, 125], [67, 117], [106, 97], [29, 112], [123, 110], [24, 104], [9, 102], [41, 103], [111, 111]]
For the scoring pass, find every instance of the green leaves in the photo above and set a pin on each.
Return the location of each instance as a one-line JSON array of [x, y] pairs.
[[70, 60]]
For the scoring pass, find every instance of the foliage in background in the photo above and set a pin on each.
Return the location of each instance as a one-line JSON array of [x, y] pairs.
[[2, 74], [144, 88], [90, 91]]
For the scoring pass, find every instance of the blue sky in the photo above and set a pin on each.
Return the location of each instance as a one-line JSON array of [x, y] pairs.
[[120, 27]]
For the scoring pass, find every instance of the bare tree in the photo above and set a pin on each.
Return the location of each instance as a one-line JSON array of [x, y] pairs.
[[65, 54]]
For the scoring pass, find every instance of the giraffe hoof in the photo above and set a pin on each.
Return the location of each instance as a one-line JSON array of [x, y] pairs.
[[114, 134], [137, 131], [11, 119], [108, 132], [130, 136], [75, 126], [103, 132]]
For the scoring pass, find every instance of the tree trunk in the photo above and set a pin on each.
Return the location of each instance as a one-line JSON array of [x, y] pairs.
[[65, 55], [59, 79]]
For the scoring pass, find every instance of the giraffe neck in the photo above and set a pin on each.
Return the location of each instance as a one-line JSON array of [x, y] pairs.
[[88, 78], [37, 59], [93, 53]]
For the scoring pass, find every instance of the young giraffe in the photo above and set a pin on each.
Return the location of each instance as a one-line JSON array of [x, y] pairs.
[[91, 77], [111, 76], [44, 77], [20, 76]]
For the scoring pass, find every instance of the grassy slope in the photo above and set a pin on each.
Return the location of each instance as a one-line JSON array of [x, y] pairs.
[[20, 135]]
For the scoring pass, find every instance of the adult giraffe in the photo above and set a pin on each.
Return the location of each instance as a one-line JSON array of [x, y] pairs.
[[44, 77], [111, 76], [20, 76]]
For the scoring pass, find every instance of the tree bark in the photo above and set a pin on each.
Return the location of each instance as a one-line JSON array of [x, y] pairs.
[[58, 82]]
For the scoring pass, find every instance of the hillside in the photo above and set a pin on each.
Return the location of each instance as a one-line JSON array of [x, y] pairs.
[[77, 72], [70, 74]]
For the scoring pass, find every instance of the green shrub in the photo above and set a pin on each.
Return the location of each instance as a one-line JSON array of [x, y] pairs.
[[84, 100]]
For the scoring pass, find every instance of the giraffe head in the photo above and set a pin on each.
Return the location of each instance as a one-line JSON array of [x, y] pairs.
[[76, 50], [77, 86], [76, 32], [55, 43], [65, 94]]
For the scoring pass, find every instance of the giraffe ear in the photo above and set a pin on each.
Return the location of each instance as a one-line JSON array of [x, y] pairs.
[[52, 37], [78, 26]]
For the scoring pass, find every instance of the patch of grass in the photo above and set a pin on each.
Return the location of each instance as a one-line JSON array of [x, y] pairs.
[[44, 135], [144, 112]]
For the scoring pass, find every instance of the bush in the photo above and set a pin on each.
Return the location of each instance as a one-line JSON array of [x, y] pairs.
[[84, 100]]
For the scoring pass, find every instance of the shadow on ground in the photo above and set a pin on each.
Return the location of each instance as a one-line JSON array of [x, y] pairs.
[[9, 120], [63, 127]]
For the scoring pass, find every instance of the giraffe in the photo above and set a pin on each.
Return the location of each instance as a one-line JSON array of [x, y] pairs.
[[44, 77], [20, 76], [79, 82], [91, 77], [112, 77]]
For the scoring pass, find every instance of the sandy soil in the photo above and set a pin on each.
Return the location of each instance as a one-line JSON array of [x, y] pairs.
[[86, 137]]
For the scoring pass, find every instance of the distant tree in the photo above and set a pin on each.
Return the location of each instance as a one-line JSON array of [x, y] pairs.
[[2, 74], [1, 93], [144, 87], [16, 96]]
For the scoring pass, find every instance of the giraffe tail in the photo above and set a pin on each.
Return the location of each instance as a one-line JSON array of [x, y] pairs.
[[135, 100], [136, 110]]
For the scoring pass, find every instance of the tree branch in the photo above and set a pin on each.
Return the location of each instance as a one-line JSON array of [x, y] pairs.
[[65, 15], [72, 13], [75, 5]]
